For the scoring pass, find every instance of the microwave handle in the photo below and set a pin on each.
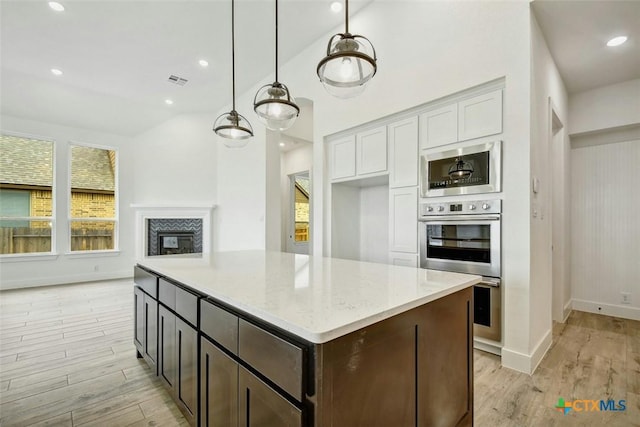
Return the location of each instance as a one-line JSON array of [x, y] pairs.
[[449, 218]]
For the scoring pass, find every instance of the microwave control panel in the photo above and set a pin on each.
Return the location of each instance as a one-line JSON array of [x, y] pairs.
[[468, 207]]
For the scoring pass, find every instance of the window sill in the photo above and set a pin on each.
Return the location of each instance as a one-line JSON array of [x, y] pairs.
[[92, 254], [39, 256]]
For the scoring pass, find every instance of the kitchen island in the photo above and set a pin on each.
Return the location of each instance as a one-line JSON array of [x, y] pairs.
[[264, 338]]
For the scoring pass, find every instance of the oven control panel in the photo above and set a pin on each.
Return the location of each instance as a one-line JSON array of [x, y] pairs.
[[467, 207]]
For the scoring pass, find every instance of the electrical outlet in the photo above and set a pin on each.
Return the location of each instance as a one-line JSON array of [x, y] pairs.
[[626, 297], [96, 268]]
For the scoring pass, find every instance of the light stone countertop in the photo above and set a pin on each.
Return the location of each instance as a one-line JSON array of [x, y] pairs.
[[315, 298]]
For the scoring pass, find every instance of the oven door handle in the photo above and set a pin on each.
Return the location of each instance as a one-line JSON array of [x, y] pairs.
[[458, 218], [493, 283]]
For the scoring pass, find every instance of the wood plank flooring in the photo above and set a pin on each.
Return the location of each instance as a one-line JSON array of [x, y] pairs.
[[67, 359]]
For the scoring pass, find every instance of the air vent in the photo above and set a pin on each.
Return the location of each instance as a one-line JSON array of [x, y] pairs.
[[177, 80]]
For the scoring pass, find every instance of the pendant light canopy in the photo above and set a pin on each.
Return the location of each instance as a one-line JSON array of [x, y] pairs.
[[273, 103], [232, 126], [460, 170], [350, 63]]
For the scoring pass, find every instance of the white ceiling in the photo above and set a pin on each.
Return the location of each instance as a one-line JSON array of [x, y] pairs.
[[577, 32], [117, 55]]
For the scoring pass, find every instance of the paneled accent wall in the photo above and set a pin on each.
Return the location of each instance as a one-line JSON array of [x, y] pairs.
[[605, 227]]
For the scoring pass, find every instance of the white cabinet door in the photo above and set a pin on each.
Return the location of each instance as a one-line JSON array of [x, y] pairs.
[[403, 153], [400, 258], [480, 116], [439, 127], [343, 158], [403, 220], [371, 150]]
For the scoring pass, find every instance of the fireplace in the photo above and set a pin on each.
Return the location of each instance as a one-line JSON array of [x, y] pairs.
[[167, 230], [167, 236]]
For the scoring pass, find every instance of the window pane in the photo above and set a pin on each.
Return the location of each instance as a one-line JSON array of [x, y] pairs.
[[92, 182], [30, 236], [93, 235], [26, 184]]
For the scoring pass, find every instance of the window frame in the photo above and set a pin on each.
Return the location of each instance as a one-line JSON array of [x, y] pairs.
[[116, 193], [52, 252]]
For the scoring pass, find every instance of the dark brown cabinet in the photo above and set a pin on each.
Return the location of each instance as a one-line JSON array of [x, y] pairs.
[[167, 347], [218, 387], [260, 405], [187, 369], [146, 327]]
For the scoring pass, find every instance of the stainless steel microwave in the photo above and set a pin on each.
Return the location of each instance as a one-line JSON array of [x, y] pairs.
[[468, 169]]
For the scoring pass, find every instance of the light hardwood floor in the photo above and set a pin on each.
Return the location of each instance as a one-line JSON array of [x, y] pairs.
[[67, 359]]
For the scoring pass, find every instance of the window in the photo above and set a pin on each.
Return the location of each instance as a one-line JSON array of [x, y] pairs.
[[92, 202], [26, 195]]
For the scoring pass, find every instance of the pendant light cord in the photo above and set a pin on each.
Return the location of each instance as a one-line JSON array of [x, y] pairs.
[[276, 40], [233, 54], [346, 16]]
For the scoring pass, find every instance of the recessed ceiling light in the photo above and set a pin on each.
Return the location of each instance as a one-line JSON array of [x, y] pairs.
[[203, 63], [281, 144], [168, 101], [56, 6], [617, 41], [56, 72], [336, 6]]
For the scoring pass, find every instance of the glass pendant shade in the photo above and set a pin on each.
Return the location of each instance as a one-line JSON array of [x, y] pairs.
[[350, 63], [460, 169], [274, 107], [234, 128]]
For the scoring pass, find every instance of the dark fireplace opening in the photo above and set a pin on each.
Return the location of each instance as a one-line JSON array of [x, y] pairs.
[[175, 242], [167, 236]]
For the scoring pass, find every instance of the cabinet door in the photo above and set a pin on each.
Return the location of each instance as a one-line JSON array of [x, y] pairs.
[[371, 151], [403, 220], [480, 116], [151, 332], [403, 153], [439, 127], [261, 406], [403, 259], [218, 387], [343, 158], [187, 366], [138, 328], [167, 347]]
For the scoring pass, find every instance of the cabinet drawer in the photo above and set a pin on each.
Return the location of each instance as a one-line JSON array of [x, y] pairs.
[[147, 281], [187, 306], [219, 325], [167, 293], [273, 357]]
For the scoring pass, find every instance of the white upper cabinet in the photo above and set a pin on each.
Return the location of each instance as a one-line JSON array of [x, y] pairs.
[[343, 158], [371, 151], [439, 127], [403, 153], [403, 220], [480, 116]]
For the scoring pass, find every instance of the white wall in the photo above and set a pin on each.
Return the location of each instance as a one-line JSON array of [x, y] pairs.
[[447, 47], [605, 107], [66, 268], [374, 224], [547, 93], [605, 228]]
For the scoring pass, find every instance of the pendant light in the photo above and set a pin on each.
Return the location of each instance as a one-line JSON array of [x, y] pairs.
[[272, 103], [460, 170], [350, 63], [232, 126]]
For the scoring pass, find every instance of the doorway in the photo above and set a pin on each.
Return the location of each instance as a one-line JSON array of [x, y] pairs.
[[299, 226]]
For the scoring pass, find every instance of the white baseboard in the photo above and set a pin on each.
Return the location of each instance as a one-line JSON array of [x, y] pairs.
[[624, 311], [567, 311], [488, 346], [61, 280], [527, 363]]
